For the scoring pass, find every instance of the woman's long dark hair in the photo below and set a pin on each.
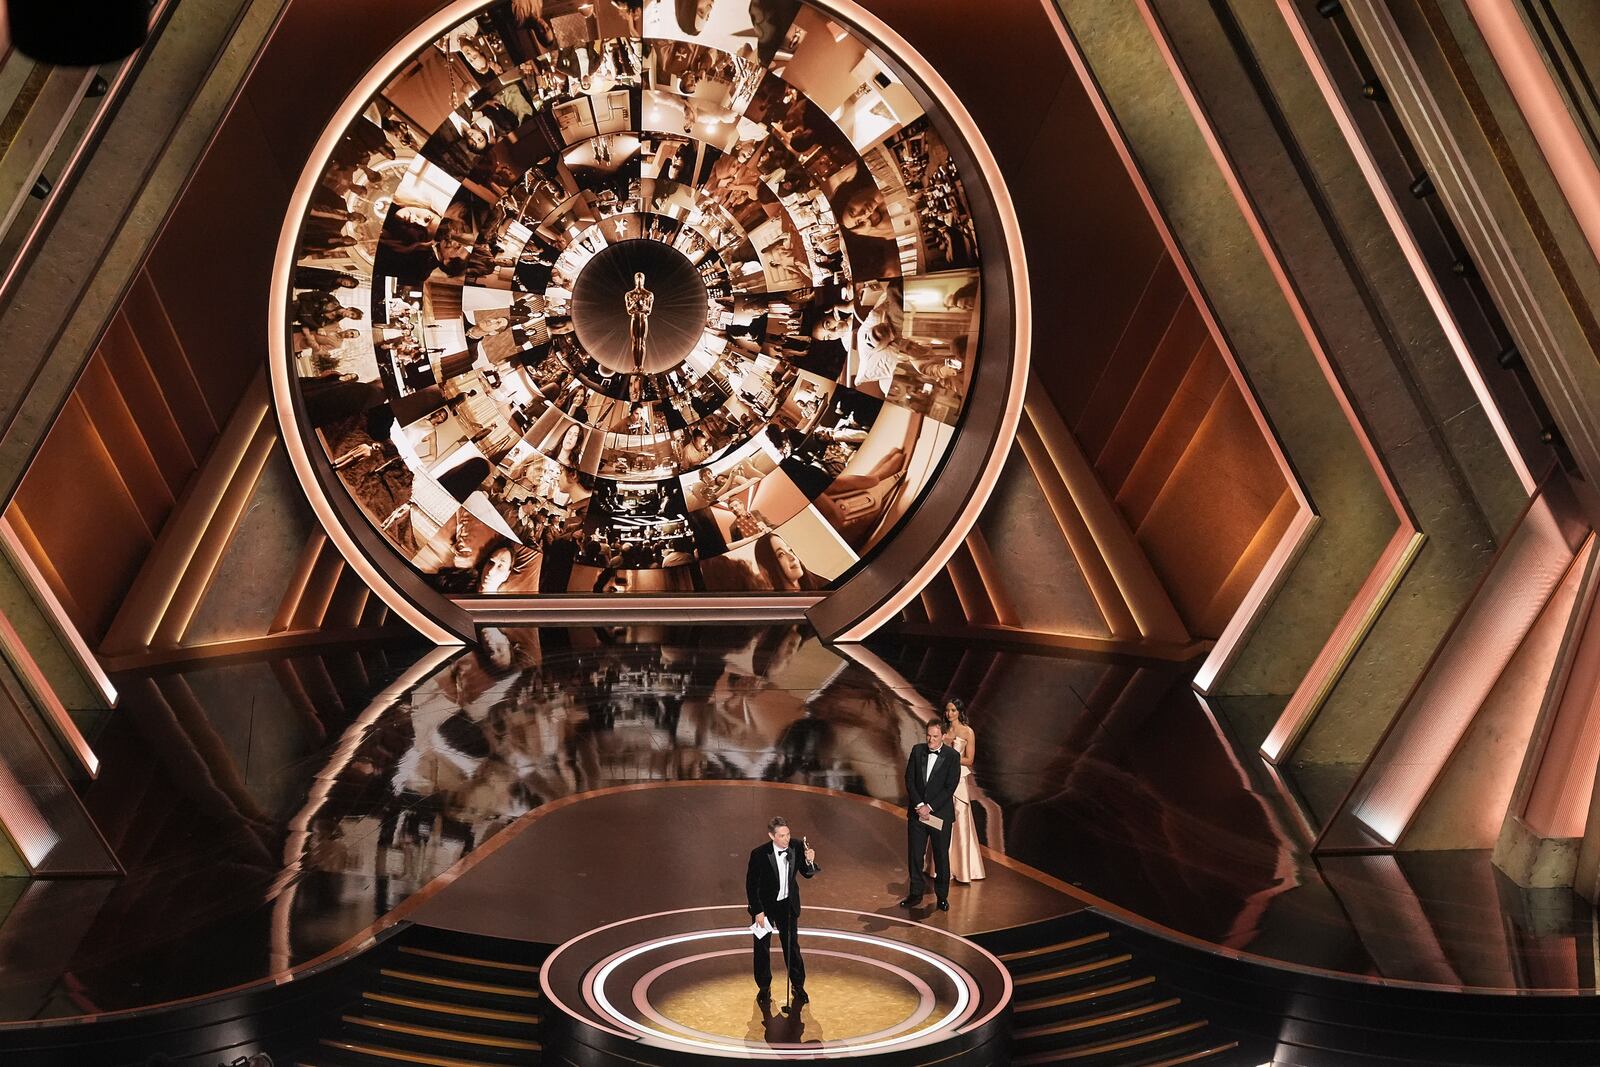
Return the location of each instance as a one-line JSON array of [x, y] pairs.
[[961, 711]]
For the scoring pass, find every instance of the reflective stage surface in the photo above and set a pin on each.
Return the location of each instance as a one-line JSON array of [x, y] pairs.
[[270, 811], [679, 982]]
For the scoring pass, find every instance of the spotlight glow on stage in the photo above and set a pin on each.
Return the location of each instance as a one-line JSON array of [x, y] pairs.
[[951, 1019]]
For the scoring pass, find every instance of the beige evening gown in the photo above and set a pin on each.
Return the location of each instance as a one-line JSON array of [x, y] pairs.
[[966, 857]]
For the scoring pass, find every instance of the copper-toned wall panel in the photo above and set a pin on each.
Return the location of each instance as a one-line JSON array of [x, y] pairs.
[[1247, 568], [159, 344], [976, 604], [146, 396], [1152, 318], [115, 425], [1137, 381], [1218, 496], [1563, 772], [1091, 246], [261, 561], [940, 601], [178, 356], [1172, 437], [222, 328], [259, 148], [93, 536], [1161, 378]]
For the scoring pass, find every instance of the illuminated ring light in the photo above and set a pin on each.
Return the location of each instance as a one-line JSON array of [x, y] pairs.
[[825, 332], [606, 996], [958, 1013]]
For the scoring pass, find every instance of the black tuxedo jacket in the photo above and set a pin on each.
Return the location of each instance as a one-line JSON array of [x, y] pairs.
[[761, 879], [937, 790]]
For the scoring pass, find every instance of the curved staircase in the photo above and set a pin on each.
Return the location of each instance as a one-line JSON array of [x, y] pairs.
[[437, 998], [440, 999], [1082, 998]]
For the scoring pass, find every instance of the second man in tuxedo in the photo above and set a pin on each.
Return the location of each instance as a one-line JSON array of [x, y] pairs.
[[772, 889], [932, 774]]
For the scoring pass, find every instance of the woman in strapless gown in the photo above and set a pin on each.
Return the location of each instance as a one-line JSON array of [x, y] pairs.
[[966, 857]]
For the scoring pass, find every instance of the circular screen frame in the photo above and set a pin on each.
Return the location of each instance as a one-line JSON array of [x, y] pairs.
[[872, 590]]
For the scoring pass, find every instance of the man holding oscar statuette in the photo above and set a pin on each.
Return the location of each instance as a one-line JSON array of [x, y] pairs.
[[932, 774], [774, 901]]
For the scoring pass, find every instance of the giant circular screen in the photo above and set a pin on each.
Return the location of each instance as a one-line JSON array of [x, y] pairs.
[[665, 296]]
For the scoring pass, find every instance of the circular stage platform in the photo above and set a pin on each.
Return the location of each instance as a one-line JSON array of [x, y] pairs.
[[677, 986]]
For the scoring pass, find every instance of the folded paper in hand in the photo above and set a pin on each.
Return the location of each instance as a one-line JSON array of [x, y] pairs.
[[762, 928], [932, 821]]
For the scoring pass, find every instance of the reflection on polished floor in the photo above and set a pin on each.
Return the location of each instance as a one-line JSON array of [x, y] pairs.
[[1118, 779], [575, 867], [271, 811]]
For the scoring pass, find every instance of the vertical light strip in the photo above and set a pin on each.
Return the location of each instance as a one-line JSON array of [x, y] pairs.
[[1341, 645], [989, 575], [16, 553], [1096, 572], [1138, 588], [23, 822], [1267, 582], [1559, 775], [40, 689], [1513, 596], [1546, 113]]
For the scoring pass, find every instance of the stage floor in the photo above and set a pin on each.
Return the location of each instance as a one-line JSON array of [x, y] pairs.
[[635, 850], [276, 812], [657, 988]]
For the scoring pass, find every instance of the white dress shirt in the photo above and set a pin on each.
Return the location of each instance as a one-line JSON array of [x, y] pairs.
[[933, 757], [783, 872]]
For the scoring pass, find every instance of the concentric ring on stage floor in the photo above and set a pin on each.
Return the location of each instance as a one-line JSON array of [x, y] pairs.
[[925, 999], [678, 983], [962, 982]]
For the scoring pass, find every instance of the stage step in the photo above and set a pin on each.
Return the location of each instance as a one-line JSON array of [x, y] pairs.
[[1111, 1033], [1120, 1046], [436, 999], [430, 1038], [1014, 959], [425, 1012], [452, 986], [1028, 980], [1207, 1054], [1082, 998], [472, 962], [1094, 998], [354, 1053], [472, 972], [1137, 1014]]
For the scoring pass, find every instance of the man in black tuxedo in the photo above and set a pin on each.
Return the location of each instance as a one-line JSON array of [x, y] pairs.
[[774, 894], [932, 774]]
